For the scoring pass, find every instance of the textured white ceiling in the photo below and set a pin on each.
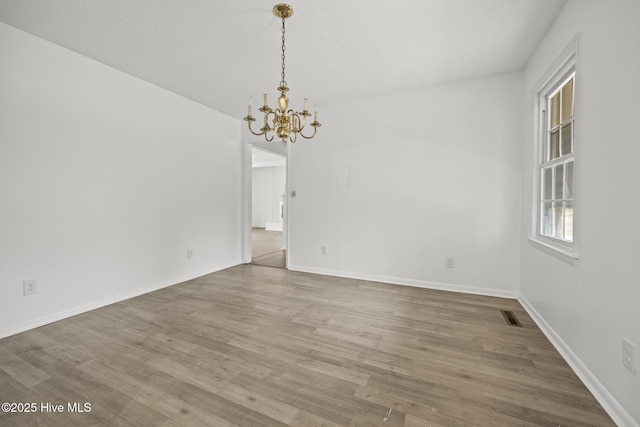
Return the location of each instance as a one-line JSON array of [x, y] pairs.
[[219, 53]]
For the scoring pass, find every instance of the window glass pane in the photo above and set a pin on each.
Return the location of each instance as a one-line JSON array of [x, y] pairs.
[[568, 221], [558, 220], [558, 181], [568, 182], [547, 183], [555, 110], [566, 139], [567, 100], [554, 147], [546, 219]]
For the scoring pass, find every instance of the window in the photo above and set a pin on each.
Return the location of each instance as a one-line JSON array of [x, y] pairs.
[[554, 207], [556, 169]]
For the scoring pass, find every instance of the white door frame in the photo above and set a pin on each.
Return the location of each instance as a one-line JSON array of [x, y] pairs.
[[287, 205], [246, 245], [246, 204]]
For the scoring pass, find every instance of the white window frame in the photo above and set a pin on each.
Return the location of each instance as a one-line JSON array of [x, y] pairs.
[[561, 70]]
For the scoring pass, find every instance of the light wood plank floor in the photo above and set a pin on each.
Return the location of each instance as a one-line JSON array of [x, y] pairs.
[[260, 346], [267, 248]]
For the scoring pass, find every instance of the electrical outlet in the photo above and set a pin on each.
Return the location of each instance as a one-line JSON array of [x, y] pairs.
[[448, 262], [323, 250], [29, 287], [629, 355]]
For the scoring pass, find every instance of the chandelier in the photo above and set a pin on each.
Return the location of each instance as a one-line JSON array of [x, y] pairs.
[[282, 121]]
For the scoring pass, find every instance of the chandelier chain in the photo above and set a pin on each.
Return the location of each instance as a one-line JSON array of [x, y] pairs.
[[283, 83]]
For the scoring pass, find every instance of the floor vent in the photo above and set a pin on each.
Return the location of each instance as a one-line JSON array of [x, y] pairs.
[[511, 318]]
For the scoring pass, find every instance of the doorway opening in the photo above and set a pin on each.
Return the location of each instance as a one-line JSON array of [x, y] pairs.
[[268, 208]]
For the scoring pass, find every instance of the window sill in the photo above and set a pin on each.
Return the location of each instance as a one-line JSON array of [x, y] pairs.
[[567, 255]]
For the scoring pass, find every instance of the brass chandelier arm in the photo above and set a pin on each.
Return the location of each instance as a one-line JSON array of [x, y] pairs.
[[295, 118], [264, 130], [250, 119], [293, 136], [315, 125]]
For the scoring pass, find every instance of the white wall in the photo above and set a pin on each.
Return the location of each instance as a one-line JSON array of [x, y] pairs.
[[266, 194], [591, 306], [392, 185], [106, 182]]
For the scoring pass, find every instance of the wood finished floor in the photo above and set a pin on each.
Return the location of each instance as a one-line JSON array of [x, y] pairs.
[[260, 346], [267, 248]]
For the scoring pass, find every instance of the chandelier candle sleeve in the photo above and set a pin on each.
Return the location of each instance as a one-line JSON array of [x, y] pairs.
[[283, 122]]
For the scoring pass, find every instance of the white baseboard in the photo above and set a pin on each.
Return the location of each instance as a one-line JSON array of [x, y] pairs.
[[501, 293], [74, 311], [617, 413]]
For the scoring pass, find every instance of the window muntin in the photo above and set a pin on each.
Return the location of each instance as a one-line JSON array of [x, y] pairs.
[[556, 208]]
